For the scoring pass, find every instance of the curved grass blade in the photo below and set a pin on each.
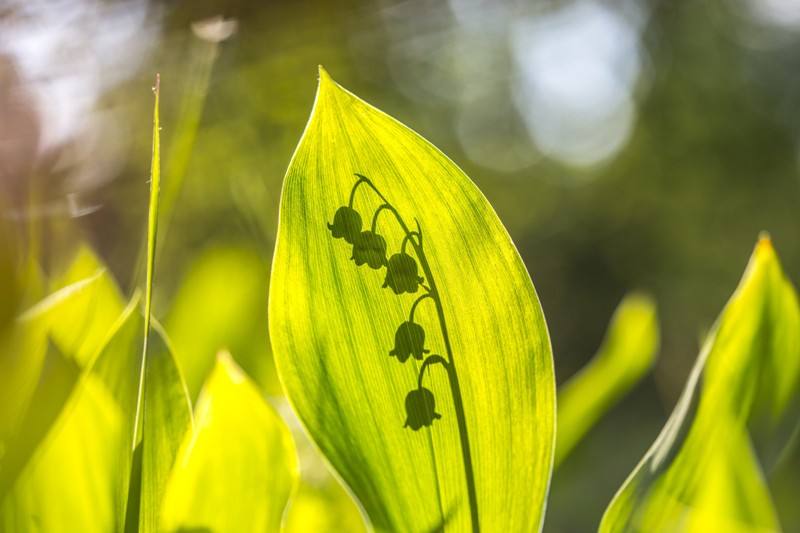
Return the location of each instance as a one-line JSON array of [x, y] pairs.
[[163, 399], [240, 447], [422, 367], [627, 354], [704, 472]]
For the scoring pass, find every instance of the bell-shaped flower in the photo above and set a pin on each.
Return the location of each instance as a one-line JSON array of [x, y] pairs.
[[401, 274], [420, 408], [346, 223], [369, 248], [409, 340]]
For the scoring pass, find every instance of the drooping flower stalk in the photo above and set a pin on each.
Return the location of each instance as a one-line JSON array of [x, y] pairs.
[[402, 277]]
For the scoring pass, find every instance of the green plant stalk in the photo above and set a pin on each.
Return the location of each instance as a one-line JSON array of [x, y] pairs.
[[152, 232], [183, 139], [452, 375]]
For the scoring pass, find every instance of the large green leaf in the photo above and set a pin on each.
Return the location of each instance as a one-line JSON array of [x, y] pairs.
[[704, 473], [626, 355], [486, 461], [240, 448]]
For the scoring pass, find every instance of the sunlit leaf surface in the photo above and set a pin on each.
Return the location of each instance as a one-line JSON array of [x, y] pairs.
[[56, 381], [99, 308], [78, 476], [704, 472], [38, 361], [22, 353], [69, 485], [167, 416], [236, 471], [452, 430], [626, 355]]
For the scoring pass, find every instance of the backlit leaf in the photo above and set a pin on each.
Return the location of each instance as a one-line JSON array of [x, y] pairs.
[[704, 472], [236, 471], [626, 355], [481, 457], [69, 485]]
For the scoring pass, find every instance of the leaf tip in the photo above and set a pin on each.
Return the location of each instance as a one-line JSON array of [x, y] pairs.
[[324, 77], [764, 241], [764, 251], [226, 364]]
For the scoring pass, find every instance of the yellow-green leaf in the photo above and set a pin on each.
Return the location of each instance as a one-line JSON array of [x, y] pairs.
[[77, 478], [99, 308], [56, 380], [626, 355], [237, 470], [486, 462], [167, 416], [66, 318], [703, 473], [69, 485]]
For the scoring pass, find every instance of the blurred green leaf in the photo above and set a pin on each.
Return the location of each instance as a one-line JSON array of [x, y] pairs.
[[222, 305], [78, 476], [332, 327], [100, 308], [69, 485], [56, 380], [625, 357], [36, 378], [703, 472], [237, 470], [79, 315], [23, 351], [323, 508]]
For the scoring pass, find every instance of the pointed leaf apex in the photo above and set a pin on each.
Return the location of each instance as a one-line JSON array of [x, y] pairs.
[[324, 77], [226, 364], [764, 241]]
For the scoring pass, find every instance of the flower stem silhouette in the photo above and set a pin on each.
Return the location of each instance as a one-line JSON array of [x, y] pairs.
[[402, 277]]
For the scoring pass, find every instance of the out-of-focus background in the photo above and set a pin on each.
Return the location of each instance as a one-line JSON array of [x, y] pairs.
[[624, 144]]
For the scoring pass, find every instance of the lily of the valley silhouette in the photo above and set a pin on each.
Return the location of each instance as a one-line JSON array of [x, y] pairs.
[[403, 276]]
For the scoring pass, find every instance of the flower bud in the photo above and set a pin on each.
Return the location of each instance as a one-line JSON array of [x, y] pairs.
[[409, 340], [420, 408], [369, 248], [346, 223], [401, 274]]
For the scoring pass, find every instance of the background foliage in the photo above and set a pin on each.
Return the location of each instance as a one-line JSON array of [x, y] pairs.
[[696, 153]]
